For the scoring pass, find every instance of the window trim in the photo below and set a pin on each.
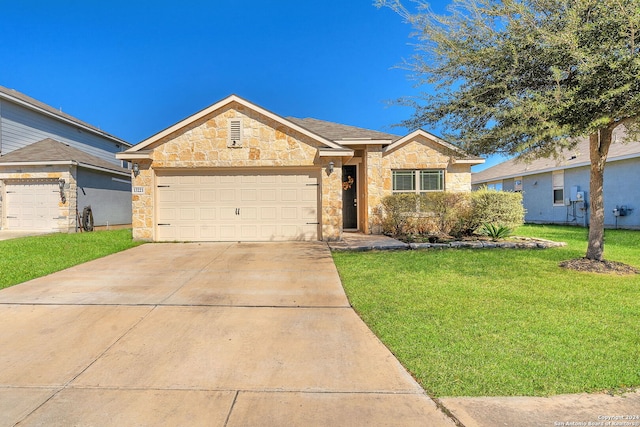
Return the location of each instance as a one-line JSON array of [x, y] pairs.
[[417, 181]]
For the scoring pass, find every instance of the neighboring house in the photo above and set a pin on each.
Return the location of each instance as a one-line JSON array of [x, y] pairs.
[[53, 165], [557, 190], [237, 172]]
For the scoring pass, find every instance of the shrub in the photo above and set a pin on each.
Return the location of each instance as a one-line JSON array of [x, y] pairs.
[[397, 209], [447, 213], [496, 207], [437, 213], [450, 211]]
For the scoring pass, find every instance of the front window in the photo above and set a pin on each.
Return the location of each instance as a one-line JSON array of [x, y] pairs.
[[496, 185], [404, 181], [432, 180], [418, 181], [558, 188]]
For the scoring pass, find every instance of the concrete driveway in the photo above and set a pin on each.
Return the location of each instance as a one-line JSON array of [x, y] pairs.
[[211, 334]]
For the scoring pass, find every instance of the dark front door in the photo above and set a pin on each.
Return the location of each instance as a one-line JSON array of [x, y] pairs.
[[349, 197]]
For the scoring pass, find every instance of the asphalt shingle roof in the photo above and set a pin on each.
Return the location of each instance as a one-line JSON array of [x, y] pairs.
[[50, 150], [337, 131], [578, 156]]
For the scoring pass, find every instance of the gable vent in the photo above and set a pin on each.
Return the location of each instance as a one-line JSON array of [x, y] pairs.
[[235, 133]]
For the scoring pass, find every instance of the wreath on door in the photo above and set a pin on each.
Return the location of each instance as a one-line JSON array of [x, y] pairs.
[[348, 183]]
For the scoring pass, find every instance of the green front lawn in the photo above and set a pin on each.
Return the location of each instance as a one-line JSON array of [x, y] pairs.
[[30, 257], [489, 322]]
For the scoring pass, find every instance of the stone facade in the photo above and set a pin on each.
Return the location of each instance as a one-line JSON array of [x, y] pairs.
[[419, 153], [269, 142], [266, 143], [66, 221]]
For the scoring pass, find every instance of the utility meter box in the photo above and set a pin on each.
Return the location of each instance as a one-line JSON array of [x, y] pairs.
[[576, 194]]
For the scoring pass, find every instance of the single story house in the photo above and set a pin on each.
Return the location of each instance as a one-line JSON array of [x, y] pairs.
[[556, 191], [53, 165], [238, 172]]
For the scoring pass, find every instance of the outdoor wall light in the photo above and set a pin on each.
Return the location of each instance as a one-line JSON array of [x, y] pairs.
[[136, 169], [330, 168], [61, 182]]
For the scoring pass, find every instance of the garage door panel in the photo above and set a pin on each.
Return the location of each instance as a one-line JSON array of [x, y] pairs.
[[228, 195], [250, 195], [309, 195], [167, 196], [208, 214], [267, 232], [187, 180], [250, 206], [187, 214], [267, 179], [228, 232], [32, 205], [249, 213], [228, 213], [248, 179], [309, 214], [288, 213], [166, 214], [227, 179], [208, 196], [268, 195], [268, 213], [208, 232], [289, 195]]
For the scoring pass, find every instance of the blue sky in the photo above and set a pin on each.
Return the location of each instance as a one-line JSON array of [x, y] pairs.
[[134, 67]]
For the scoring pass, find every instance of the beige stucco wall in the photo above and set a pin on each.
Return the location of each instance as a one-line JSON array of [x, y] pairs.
[[67, 210], [266, 144], [420, 153]]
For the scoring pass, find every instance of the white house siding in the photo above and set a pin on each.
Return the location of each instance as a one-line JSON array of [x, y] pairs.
[[20, 127]]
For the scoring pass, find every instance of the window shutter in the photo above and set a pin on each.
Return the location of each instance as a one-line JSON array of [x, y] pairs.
[[235, 133]]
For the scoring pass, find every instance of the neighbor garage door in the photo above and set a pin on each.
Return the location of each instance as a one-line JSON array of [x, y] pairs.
[[237, 206], [32, 205]]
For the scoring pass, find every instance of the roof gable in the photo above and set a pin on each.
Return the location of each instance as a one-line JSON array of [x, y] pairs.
[[49, 150], [221, 104], [461, 155]]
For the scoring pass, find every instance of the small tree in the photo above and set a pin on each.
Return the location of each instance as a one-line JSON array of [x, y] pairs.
[[530, 77]]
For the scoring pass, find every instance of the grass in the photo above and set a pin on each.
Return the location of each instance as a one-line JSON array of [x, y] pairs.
[[491, 322], [30, 257]]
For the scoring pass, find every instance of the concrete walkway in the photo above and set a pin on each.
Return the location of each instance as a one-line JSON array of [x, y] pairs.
[[209, 334]]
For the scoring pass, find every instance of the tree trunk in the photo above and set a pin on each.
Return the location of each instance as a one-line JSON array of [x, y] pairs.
[[598, 150]]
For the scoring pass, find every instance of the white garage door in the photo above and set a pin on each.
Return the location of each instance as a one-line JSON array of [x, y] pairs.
[[32, 205], [237, 206]]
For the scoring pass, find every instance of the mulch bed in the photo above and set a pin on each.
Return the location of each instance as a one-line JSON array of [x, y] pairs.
[[592, 266]]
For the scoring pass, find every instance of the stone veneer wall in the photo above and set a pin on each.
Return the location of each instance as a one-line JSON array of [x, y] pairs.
[[265, 143], [421, 153], [66, 210]]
